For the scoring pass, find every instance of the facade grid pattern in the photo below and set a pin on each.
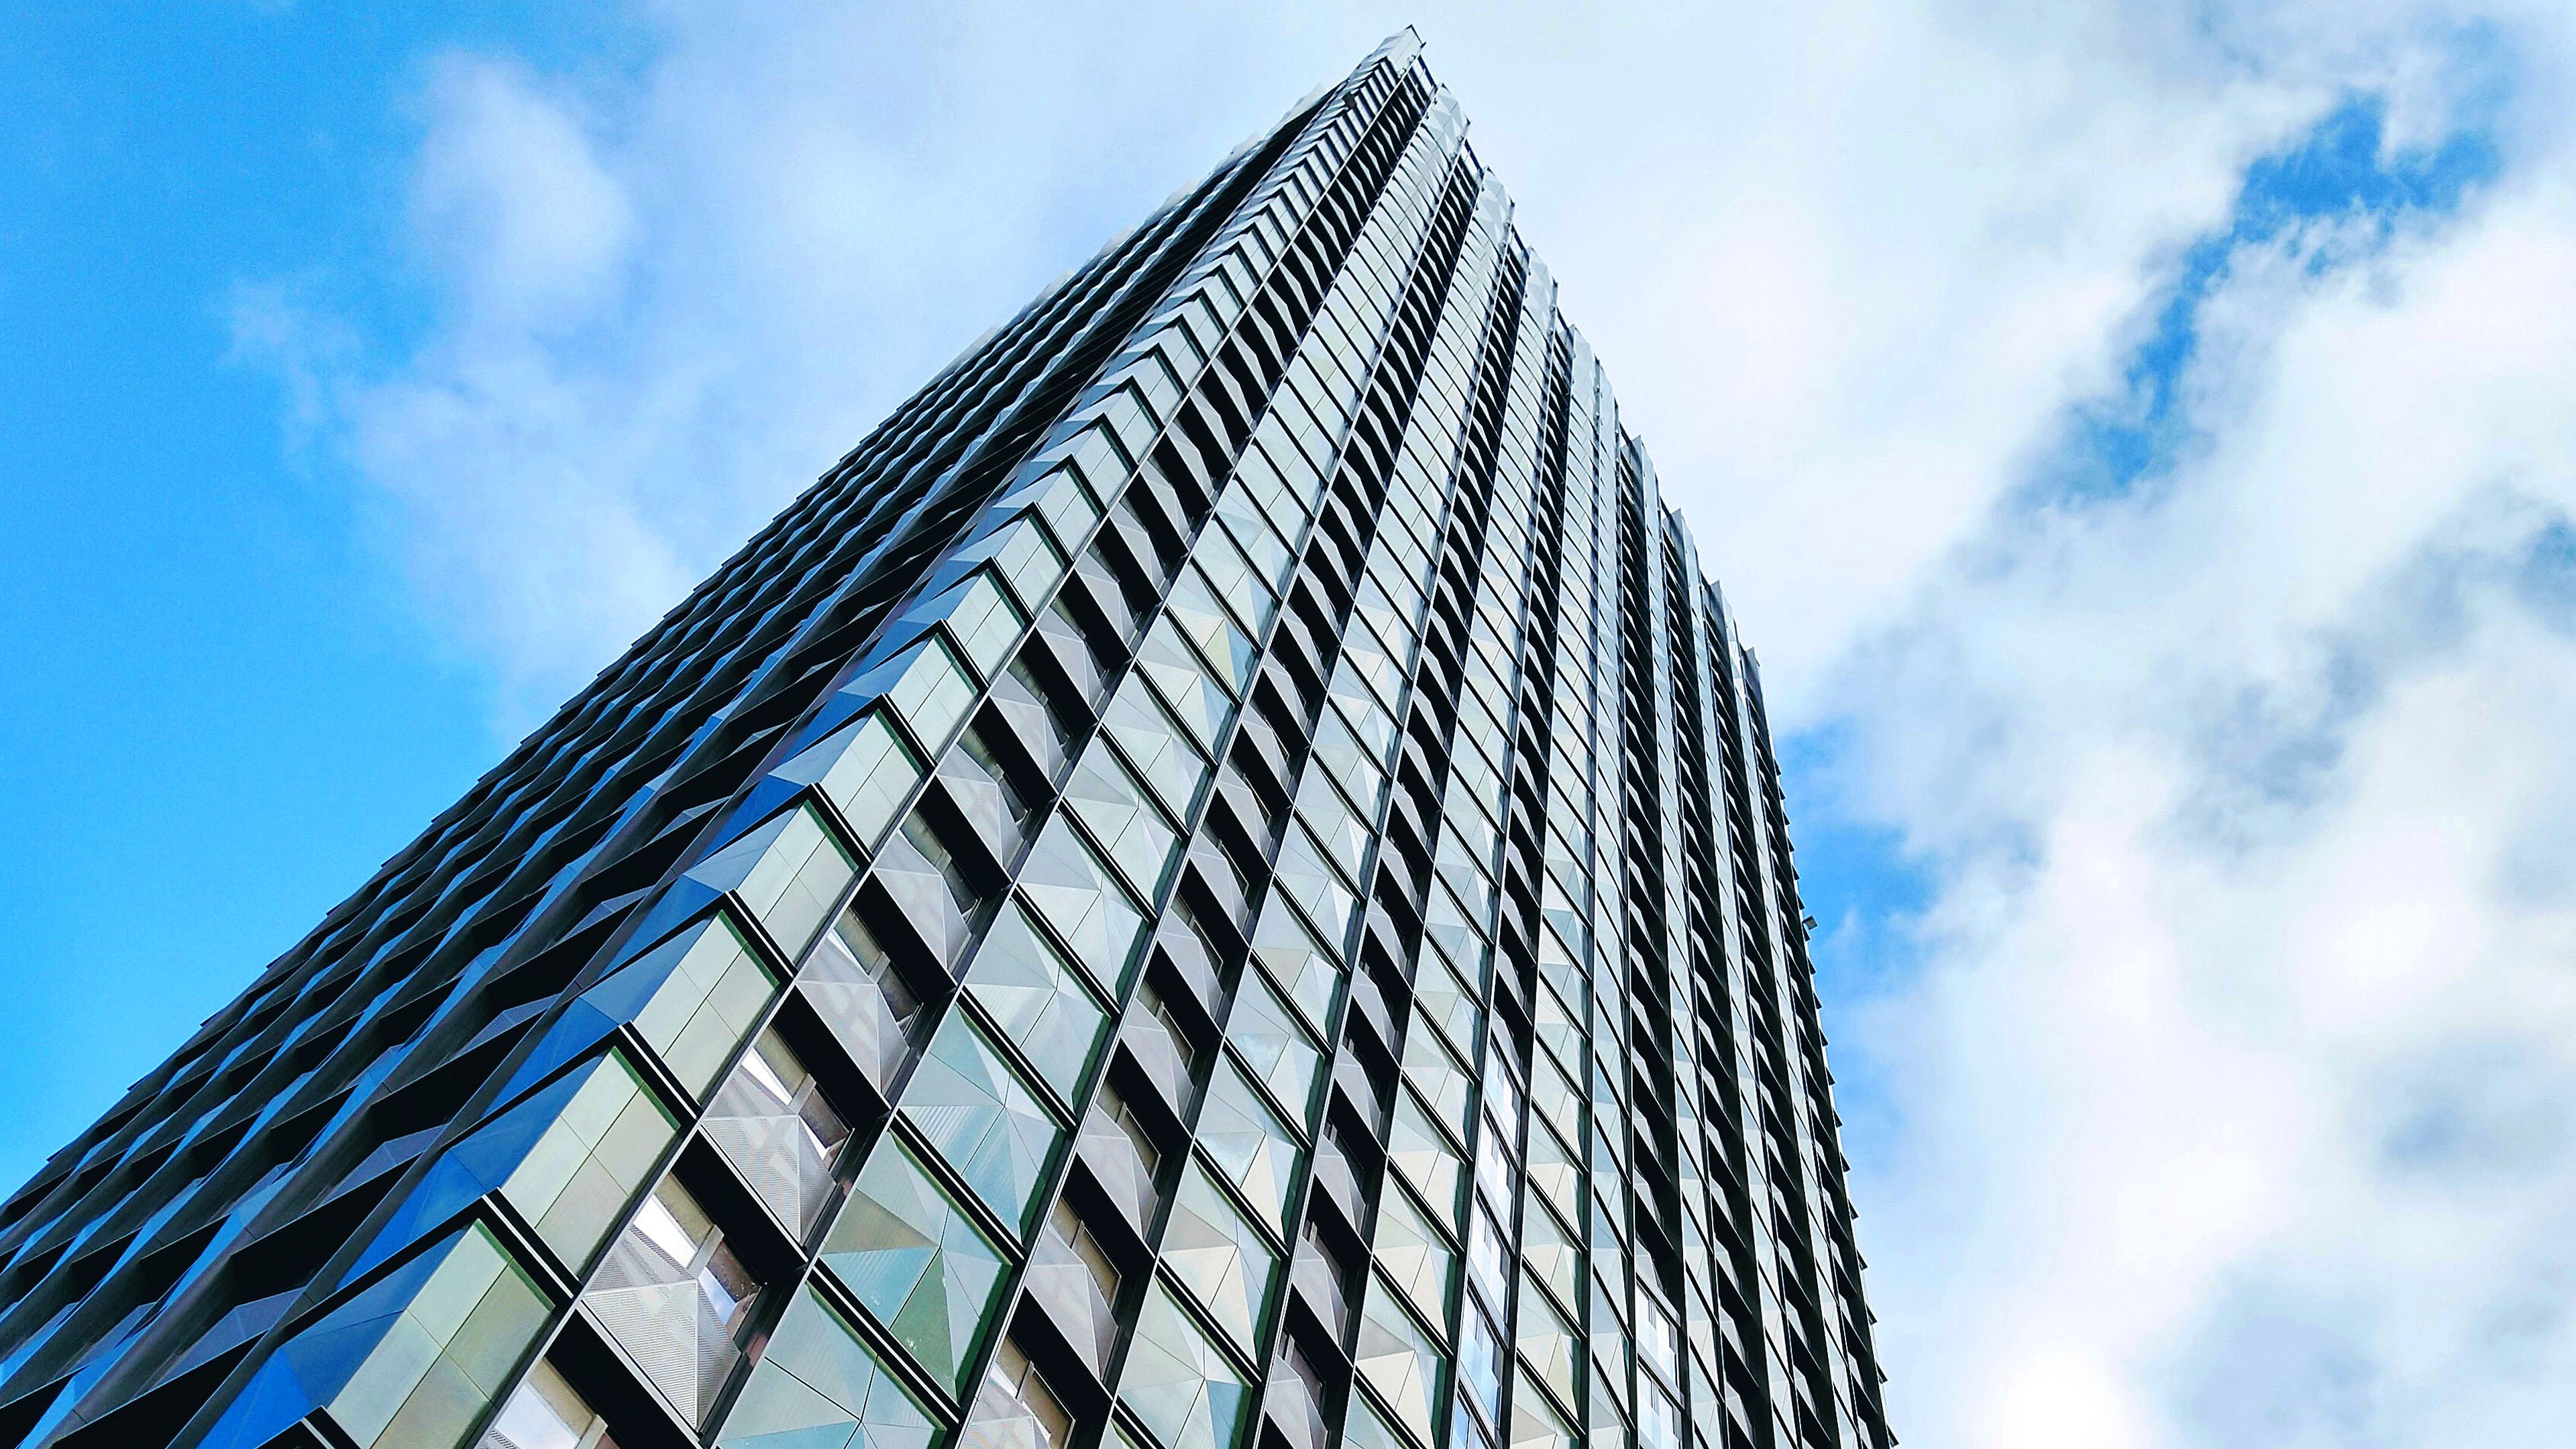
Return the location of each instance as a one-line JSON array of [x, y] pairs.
[[1221, 877]]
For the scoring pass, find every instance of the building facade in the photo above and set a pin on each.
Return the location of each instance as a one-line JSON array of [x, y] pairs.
[[1220, 879]]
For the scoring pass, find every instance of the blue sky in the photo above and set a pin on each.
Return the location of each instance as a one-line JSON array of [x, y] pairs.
[[221, 716], [2135, 442]]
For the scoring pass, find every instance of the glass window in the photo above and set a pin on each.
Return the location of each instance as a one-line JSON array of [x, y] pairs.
[[1392, 620], [1071, 1273], [1465, 876], [1364, 661], [1220, 640], [865, 768], [1265, 1030], [1480, 1363], [1549, 1251], [1129, 826], [1503, 1094], [594, 1156], [1154, 745], [1656, 1339], [1658, 1420], [1361, 709], [1273, 561], [1346, 838], [917, 1261], [933, 694], [817, 1384], [1025, 984], [788, 870], [673, 1293], [1249, 1143], [411, 1361], [1029, 561], [1308, 878], [1441, 1080], [1451, 1005], [692, 999], [1488, 1260], [1196, 698], [1535, 1422], [856, 989], [1154, 1017], [1353, 765], [934, 893], [1261, 485], [771, 1120], [1015, 1409], [1469, 771], [1553, 1170], [1553, 1093], [984, 791], [970, 1105], [1450, 929], [1400, 1361], [1232, 578], [546, 1413], [1030, 712], [1290, 957], [1123, 1154], [1178, 1383], [1415, 1255], [1220, 1257], [1363, 1427], [1424, 1155], [986, 624], [1609, 1344], [1069, 889]]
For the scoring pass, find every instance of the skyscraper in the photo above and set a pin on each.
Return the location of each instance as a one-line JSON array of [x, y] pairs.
[[1219, 880]]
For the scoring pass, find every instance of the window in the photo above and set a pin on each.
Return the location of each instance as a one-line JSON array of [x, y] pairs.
[[546, 1413], [980, 784], [677, 1298], [772, 1121], [1180, 1385], [1038, 1000], [1123, 1156], [1255, 1150], [1220, 1257], [1156, 1014], [1091, 913], [1283, 1057], [916, 1260], [818, 1379], [1016, 1409], [1070, 1271], [855, 987], [969, 1103], [1399, 1360], [1131, 829], [413, 1359]]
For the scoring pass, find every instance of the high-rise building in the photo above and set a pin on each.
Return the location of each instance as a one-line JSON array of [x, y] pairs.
[[1220, 880]]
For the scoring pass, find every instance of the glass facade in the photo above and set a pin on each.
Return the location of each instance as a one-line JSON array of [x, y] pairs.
[[1221, 878]]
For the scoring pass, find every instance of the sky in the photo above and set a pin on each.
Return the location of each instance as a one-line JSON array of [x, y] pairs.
[[2135, 436]]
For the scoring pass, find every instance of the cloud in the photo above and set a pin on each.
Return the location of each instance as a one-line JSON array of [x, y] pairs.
[[513, 200], [2232, 1083], [1842, 259], [2135, 435], [635, 310]]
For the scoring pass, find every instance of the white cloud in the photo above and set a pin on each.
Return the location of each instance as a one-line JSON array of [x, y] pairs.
[[512, 200], [2228, 1090], [2234, 1085]]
